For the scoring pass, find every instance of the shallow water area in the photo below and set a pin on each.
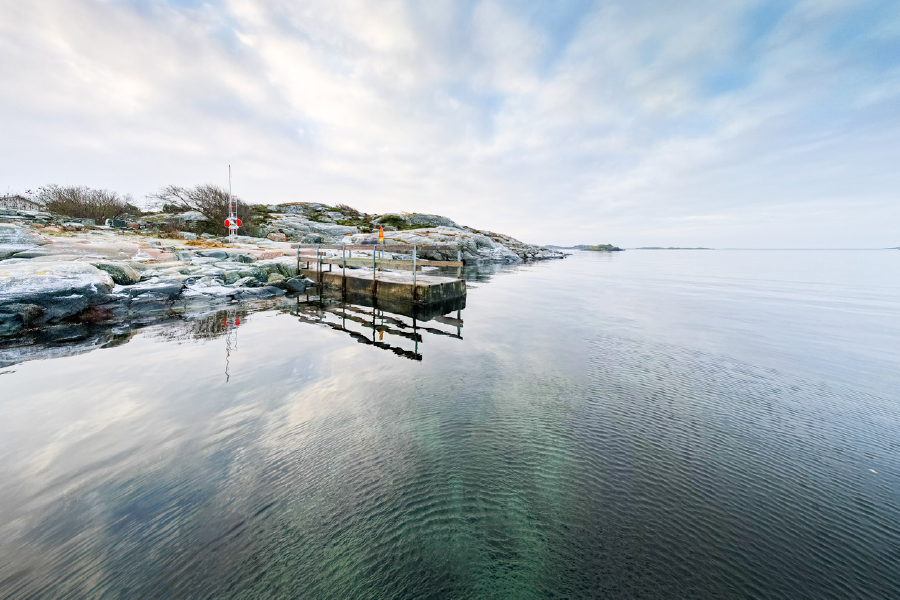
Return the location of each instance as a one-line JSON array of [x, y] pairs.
[[654, 424]]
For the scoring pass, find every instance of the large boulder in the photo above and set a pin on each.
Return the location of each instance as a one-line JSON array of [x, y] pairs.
[[297, 284], [260, 293], [246, 282], [190, 216], [425, 220], [89, 249], [122, 273], [13, 234], [296, 208], [157, 289], [212, 253], [16, 240], [293, 227], [331, 229], [13, 317], [59, 289]]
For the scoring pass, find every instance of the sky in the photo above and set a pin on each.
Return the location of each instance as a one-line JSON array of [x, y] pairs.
[[635, 122]]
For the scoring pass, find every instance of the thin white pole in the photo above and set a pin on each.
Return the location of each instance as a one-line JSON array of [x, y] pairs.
[[232, 210]]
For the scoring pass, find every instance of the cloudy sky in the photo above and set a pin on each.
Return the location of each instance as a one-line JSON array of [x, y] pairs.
[[635, 122]]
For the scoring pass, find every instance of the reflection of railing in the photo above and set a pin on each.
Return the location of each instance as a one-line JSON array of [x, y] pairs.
[[377, 258], [369, 324]]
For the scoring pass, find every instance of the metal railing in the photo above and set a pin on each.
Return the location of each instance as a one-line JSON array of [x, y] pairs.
[[413, 263]]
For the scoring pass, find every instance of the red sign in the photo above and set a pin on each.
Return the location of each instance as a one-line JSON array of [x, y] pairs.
[[237, 222]]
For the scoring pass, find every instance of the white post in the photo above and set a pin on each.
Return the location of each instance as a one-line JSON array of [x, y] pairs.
[[232, 211]]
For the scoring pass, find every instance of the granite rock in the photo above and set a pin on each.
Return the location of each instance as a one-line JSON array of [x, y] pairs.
[[121, 273], [60, 289]]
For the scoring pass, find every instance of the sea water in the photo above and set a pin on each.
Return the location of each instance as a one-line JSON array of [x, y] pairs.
[[638, 424]]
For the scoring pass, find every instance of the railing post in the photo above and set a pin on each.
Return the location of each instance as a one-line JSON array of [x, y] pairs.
[[298, 258], [414, 274], [459, 259]]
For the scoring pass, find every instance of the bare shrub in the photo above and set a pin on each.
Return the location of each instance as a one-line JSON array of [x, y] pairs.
[[209, 200], [82, 202], [348, 210], [171, 231]]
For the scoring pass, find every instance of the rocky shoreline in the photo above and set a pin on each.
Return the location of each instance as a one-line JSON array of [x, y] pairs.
[[313, 223], [55, 270]]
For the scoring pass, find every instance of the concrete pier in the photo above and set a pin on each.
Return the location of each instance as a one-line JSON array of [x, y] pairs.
[[387, 286]]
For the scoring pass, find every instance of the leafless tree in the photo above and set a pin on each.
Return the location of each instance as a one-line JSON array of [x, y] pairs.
[[82, 202], [209, 200]]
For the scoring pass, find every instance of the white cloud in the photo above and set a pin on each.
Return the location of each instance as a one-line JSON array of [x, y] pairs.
[[641, 125]]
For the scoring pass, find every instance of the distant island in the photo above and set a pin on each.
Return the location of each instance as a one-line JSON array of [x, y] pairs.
[[597, 248], [670, 248]]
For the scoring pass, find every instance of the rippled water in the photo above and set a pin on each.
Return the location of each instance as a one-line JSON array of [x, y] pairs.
[[645, 424]]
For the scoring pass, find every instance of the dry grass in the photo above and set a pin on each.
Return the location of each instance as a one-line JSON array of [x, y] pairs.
[[205, 244]]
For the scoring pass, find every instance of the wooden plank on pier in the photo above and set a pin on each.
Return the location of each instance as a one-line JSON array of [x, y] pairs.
[[386, 263], [403, 249]]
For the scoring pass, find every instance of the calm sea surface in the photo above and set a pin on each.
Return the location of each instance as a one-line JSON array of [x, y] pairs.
[[643, 424]]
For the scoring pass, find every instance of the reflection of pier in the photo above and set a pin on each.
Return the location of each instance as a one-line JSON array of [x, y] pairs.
[[399, 327]]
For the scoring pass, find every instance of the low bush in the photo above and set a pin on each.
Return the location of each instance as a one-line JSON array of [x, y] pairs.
[[348, 211], [396, 221]]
